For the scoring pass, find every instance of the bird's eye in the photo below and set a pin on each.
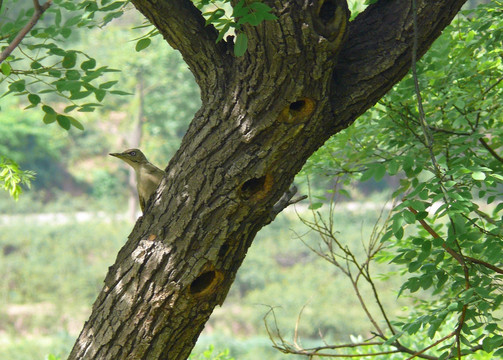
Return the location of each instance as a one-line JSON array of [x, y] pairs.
[[132, 153]]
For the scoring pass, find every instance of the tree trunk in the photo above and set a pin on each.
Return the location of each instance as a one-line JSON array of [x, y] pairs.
[[304, 77]]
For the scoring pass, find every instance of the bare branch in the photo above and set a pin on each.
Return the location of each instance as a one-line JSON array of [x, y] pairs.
[[285, 201], [39, 10]]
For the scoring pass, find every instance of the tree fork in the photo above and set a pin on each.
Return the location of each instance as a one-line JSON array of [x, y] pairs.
[[263, 115]]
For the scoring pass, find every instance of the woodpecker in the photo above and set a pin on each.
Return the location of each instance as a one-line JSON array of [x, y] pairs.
[[148, 176]]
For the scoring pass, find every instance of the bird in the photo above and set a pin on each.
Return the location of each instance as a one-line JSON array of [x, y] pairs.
[[148, 176]]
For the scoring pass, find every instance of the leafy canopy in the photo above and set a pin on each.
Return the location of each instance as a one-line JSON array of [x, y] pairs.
[[446, 232]]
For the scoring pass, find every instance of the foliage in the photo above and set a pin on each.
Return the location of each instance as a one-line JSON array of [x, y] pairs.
[[37, 64], [11, 176], [446, 231], [227, 19], [209, 355], [219, 14], [29, 145], [168, 108], [44, 71]]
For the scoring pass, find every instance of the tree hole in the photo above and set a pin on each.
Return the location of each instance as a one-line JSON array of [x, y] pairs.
[[202, 282], [297, 111], [252, 186], [297, 105], [327, 11]]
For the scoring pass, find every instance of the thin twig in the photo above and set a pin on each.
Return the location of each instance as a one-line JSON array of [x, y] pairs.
[[432, 345]]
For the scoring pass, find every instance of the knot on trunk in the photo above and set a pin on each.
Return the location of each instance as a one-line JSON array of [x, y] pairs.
[[330, 19]]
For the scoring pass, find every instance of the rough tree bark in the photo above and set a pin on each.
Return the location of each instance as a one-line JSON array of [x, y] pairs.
[[305, 77]]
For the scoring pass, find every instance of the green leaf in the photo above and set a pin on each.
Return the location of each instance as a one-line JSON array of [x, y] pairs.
[[76, 123], [386, 236], [399, 233], [57, 19], [113, 6], [241, 44], [70, 108], [413, 327], [409, 217], [48, 110], [54, 73], [34, 99], [5, 68], [142, 44], [49, 118], [120, 92], [345, 193], [68, 85], [72, 75], [88, 64], [414, 266], [214, 16], [73, 21], [421, 215], [66, 32], [69, 60], [393, 167], [367, 174], [380, 171], [478, 175], [17, 86], [314, 206], [63, 121], [433, 328], [239, 9], [223, 31], [397, 223], [491, 343], [57, 51], [99, 94], [35, 65], [79, 95], [108, 84]]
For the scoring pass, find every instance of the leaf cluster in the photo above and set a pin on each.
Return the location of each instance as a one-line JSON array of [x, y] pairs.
[[228, 19], [11, 177], [446, 232], [45, 71]]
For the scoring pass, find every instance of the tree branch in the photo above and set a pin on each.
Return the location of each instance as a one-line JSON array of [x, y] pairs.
[[39, 10], [183, 27], [379, 48], [285, 201]]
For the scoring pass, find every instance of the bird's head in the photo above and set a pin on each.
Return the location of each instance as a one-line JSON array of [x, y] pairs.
[[133, 157]]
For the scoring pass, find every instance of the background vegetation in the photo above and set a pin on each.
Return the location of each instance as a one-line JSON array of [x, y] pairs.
[[58, 239]]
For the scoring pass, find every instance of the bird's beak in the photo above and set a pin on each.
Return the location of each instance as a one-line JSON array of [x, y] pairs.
[[117, 155]]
